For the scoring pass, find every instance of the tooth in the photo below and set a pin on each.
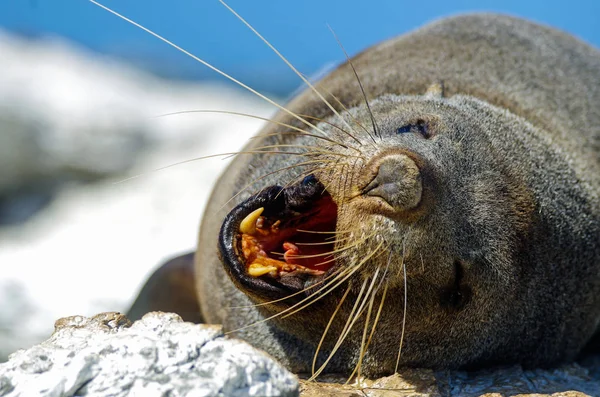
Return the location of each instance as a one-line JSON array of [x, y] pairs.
[[257, 270], [248, 225]]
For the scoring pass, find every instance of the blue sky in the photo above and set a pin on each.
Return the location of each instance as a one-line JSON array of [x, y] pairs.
[[297, 28]]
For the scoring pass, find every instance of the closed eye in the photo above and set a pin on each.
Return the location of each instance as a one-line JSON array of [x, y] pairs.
[[418, 127]]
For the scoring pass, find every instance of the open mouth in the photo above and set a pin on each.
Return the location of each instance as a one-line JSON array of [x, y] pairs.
[[280, 240]]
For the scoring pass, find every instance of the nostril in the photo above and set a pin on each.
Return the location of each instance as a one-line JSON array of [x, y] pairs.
[[398, 182]]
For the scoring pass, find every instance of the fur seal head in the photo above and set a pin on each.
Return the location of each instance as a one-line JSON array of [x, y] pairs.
[[432, 226], [424, 207], [413, 223]]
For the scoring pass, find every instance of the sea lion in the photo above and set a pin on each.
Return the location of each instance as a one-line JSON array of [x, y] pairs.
[[434, 202]]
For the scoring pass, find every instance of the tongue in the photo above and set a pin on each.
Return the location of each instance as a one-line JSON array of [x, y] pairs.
[[309, 256], [291, 250]]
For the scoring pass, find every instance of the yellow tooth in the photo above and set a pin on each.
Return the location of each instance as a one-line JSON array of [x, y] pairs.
[[248, 225], [257, 270]]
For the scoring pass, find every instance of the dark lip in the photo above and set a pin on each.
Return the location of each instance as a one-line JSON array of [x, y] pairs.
[[278, 202]]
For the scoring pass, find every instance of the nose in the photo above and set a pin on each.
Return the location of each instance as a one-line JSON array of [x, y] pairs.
[[398, 182]]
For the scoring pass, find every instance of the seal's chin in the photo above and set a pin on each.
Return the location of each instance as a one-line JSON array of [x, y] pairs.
[[280, 241]]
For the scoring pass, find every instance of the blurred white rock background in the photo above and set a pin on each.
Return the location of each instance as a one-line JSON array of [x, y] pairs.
[[72, 124]]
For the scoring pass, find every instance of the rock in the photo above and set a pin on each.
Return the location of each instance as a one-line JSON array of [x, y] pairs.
[[572, 380], [158, 355]]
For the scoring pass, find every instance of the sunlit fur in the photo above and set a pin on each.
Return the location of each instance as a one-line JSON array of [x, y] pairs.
[[505, 162], [510, 208]]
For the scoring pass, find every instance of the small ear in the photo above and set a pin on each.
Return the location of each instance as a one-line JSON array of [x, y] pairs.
[[435, 90]]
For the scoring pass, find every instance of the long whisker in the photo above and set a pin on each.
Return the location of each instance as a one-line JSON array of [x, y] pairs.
[[339, 279], [301, 164], [344, 275], [352, 318], [213, 156], [327, 278], [304, 133], [404, 314], [336, 251], [337, 308], [320, 120], [208, 65], [324, 280], [325, 242], [299, 130], [384, 278], [377, 316], [320, 232], [350, 272], [363, 342], [314, 150], [379, 310], [328, 253], [354, 119], [284, 59], [362, 89]]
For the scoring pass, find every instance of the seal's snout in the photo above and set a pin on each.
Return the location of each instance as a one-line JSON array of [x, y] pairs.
[[397, 182]]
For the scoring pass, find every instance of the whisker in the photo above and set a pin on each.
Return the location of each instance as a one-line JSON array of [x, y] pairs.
[[379, 310], [344, 248], [284, 59], [208, 65], [354, 119], [336, 232], [311, 256], [382, 297], [350, 271], [288, 296], [212, 156], [302, 175], [309, 287], [301, 164], [375, 130], [297, 129], [352, 318], [325, 242], [330, 253], [338, 343], [343, 275], [404, 314], [377, 316], [315, 150], [320, 120], [363, 346], [302, 132], [337, 308]]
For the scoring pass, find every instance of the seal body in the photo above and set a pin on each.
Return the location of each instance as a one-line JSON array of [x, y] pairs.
[[465, 188]]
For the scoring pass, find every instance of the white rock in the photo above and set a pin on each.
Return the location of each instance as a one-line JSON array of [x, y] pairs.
[[159, 355]]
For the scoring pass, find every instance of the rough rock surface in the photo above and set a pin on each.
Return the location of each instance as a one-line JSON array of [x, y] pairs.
[[573, 380], [159, 355]]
